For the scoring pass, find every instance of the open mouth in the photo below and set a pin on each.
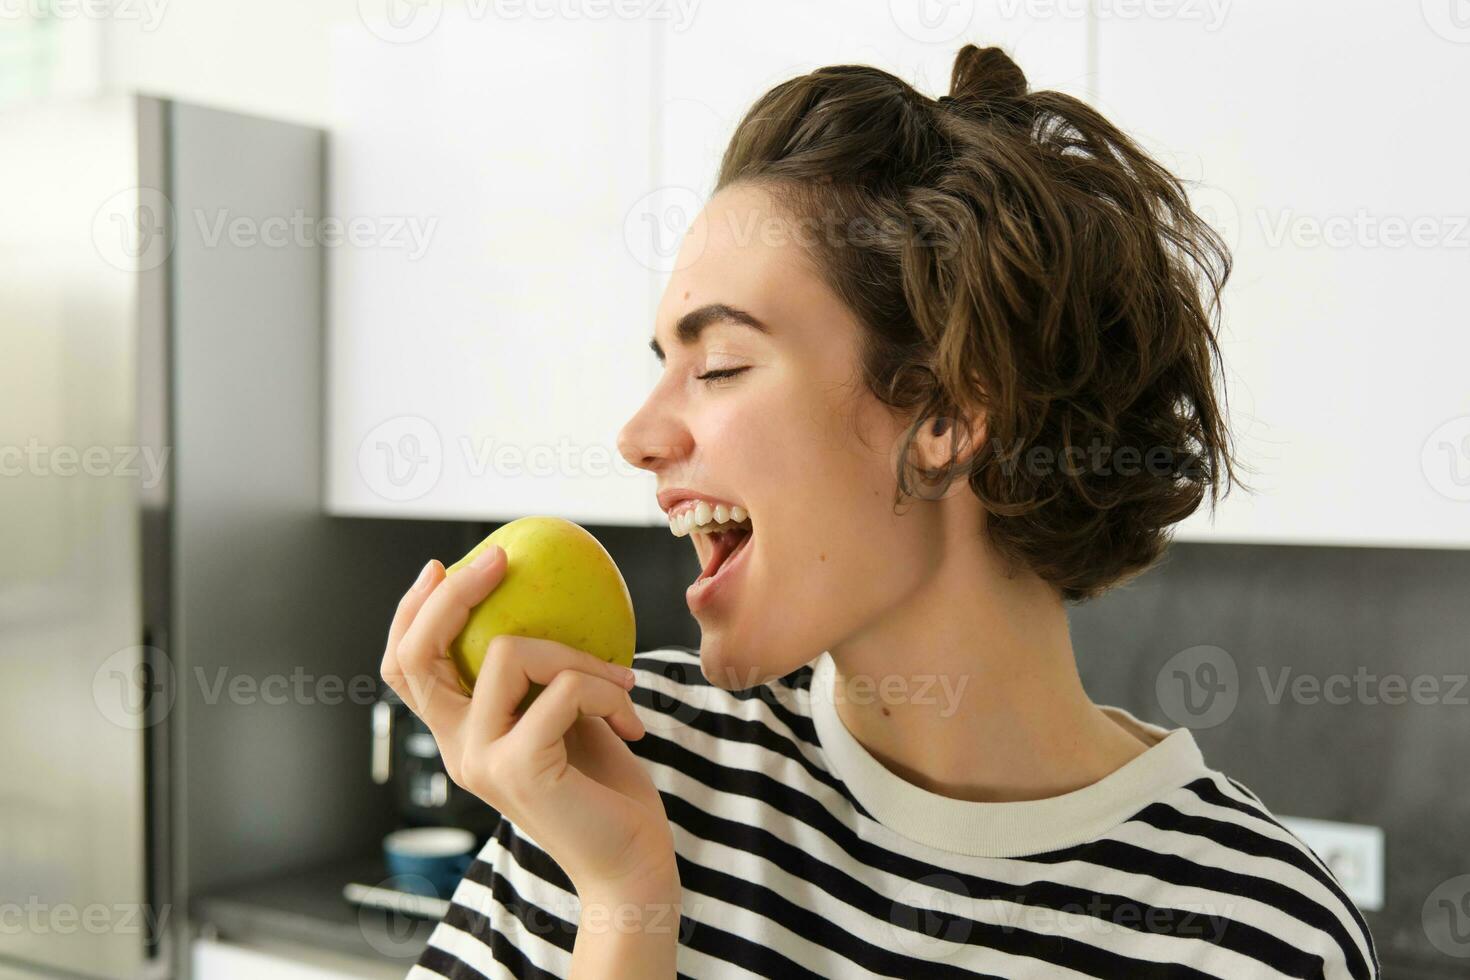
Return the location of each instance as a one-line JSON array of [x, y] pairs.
[[722, 547]]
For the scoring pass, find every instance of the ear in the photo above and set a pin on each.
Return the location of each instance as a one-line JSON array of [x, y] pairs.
[[945, 438]]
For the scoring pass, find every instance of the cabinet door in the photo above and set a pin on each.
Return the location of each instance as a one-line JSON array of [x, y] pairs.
[[488, 319], [1325, 143]]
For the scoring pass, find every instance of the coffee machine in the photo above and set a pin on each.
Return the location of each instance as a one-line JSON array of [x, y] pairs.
[[406, 758]]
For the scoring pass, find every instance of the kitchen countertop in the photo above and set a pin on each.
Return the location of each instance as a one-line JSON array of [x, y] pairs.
[[307, 907]]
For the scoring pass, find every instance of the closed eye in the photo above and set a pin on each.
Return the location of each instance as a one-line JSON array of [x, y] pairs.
[[721, 374]]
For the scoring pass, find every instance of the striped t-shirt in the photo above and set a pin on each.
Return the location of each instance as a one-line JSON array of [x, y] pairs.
[[800, 855]]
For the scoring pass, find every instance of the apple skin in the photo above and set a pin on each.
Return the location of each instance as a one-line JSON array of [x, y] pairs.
[[559, 584]]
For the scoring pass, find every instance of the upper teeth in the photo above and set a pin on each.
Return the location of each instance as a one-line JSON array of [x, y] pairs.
[[705, 517]]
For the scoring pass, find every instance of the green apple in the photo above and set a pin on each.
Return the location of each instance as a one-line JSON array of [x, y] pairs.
[[560, 584]]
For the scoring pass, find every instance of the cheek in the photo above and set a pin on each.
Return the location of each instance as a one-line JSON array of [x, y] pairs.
[[818, 469], [766, 443]]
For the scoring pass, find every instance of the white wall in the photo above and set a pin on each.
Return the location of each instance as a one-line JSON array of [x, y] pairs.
[[265, 57]]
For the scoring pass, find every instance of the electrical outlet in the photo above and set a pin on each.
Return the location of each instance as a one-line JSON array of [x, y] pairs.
[[1353, 852]]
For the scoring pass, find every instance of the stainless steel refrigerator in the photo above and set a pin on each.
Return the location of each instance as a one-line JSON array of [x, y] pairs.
[[84, 492], [161, 427]]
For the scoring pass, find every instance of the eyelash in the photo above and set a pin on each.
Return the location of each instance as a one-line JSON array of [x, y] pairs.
[[712, 377]]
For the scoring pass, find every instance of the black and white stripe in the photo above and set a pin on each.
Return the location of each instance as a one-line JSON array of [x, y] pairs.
[[786, 874]]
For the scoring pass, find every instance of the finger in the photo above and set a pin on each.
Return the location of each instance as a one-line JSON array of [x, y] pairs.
[[431, 689], [408, 608], [513, 663], [570, 695], [598, 749], [434, 692], [447, 608]]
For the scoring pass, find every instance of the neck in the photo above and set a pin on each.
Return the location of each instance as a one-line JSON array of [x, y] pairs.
[[969, 688]]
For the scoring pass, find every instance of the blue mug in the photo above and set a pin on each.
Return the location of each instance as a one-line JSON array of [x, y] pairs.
[[428, 860]]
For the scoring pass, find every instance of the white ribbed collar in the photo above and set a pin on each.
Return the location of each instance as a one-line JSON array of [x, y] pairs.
[[1003, 829]]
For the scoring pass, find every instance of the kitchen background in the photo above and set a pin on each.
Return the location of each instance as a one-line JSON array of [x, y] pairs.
[[325, 289]]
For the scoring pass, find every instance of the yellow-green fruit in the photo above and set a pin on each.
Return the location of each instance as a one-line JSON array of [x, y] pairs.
[[559, 584]]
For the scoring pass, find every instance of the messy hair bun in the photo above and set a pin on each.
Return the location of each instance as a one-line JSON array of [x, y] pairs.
[[983, 75], [1016, 259]]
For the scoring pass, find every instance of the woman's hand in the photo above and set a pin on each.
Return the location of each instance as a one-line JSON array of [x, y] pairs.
[[561, 771]]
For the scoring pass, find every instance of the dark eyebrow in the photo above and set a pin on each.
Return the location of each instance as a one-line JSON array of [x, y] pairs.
[[692, 324]]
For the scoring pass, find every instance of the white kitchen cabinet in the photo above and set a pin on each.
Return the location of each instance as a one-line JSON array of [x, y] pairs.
[[1324, 140], [521, 187], [488, 322]]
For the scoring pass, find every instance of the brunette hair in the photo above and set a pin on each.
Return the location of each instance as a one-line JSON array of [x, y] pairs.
[[1013, 253]]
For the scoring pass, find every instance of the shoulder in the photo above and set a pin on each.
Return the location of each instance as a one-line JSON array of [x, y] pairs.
[[1262, 873]]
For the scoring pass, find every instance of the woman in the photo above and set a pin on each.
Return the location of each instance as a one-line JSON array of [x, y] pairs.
[[932, 370]]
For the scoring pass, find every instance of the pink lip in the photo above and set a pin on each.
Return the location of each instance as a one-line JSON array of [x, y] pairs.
[[704, 590]]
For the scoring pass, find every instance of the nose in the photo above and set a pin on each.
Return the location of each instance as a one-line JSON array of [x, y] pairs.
[[653, 437]]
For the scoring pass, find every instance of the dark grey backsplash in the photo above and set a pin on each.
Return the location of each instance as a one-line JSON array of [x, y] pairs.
[[1303, 616]]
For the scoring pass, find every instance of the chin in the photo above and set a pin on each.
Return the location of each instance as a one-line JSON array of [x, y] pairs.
[[725, 667]]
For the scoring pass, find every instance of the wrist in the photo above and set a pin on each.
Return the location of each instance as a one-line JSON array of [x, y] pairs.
[[622, 939], [654, 880], [656, 887], [628, 926], [623, 915]]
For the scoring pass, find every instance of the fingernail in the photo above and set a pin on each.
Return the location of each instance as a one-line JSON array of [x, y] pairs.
[[483, 559], [424, 575], [626, 676]]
